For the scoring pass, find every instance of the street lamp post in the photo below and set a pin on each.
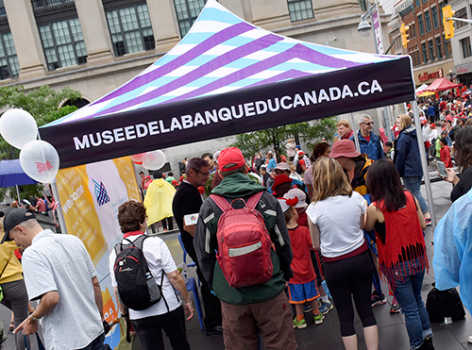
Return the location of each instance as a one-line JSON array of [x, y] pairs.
[[364, 28]]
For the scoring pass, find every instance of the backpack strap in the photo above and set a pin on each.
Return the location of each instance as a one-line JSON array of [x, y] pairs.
[[253, 200], [221, 202], [138, 242]]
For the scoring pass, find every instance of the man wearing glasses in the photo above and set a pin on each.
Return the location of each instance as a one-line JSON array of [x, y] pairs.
[[187, 202], [368, 141]]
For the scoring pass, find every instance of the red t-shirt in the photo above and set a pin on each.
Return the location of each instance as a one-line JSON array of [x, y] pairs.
[[303, 271], [145, 182], [302, 163], [445, 156], [41, 206], [367, 138]]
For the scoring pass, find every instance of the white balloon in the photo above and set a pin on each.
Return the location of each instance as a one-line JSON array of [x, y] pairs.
[[18, 127], [137, 158], [154, 160], [40, 160]]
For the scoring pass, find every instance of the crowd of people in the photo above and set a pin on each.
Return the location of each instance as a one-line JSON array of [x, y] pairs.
[[273, 240]]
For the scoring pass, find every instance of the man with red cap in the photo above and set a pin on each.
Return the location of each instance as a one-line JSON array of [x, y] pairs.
[[259, 308]]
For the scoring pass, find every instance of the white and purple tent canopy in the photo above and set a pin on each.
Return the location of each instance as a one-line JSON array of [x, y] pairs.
[[227, 77]]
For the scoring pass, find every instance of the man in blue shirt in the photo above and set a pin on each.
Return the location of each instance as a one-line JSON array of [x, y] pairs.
[[368, 141]]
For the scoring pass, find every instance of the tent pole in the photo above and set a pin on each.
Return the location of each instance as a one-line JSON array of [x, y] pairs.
[[356, 138], [424, 163], [18, 193], [60, 215]]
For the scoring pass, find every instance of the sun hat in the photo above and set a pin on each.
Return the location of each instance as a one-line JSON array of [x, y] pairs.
[[299, 194], [344, 148]]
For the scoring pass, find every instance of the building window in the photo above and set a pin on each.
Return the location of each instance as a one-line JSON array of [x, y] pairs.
[[417, 3], [466, 51], [438, 48], [130, 30], [40, 5], [434, 14], [418, 57], [425, 52], [363, 5], [431, 50], [300, 9], [413, 58], [427, 21], [63, 43], [413, 31], [441, 5], [420, 24], [187, 12], [447, 48], [3, 12], [462, 13], [9, 66]]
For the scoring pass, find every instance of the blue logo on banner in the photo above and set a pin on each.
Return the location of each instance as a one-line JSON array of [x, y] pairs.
[[101, 193]]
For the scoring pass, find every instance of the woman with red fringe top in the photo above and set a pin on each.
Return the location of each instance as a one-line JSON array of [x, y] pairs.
[[399, 224]]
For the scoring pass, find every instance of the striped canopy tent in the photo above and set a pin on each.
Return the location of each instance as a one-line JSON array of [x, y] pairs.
[[226, 77]]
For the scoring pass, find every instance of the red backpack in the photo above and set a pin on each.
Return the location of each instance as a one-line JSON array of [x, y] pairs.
[[244, 245]]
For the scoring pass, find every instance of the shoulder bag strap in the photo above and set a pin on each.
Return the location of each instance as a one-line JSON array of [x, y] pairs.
[[221, 202], [253, 200]]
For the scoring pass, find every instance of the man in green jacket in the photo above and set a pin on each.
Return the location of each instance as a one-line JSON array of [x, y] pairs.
[[260, 308]]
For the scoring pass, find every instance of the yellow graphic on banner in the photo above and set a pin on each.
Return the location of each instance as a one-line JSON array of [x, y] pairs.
[[79, 214], [126, 171]]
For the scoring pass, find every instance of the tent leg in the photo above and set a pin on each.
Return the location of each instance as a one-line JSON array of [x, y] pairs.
[[356, 137], [59, 212], [18, 193], [424, 163]]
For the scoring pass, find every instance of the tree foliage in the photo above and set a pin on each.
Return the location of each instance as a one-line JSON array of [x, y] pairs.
[[44, 104], [275, 138]]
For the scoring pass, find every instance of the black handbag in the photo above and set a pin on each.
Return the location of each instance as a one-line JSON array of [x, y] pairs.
[[444, 303]]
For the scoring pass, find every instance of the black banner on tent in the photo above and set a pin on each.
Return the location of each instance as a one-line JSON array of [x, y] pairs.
[[292, 101]]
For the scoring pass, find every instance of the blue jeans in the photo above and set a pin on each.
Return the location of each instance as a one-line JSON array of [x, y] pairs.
[[412, 184], [407, 290]]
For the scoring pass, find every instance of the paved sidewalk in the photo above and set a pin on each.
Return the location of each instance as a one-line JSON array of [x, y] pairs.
[[392, 331]]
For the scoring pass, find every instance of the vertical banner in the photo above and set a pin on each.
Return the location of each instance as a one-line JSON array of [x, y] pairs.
[[378, 30], [90, 196]]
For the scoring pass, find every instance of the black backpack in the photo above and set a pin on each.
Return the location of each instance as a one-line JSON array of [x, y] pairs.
[[444, 303], [299, 168], [137, 288]]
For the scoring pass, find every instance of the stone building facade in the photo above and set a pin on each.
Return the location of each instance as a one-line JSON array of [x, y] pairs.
[[95, 46]]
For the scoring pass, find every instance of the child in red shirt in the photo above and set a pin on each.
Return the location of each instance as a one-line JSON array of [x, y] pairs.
[[302, 286], [445, 153]]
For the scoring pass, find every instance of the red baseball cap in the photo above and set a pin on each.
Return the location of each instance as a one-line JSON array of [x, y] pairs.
[[230, 159], [175, 182], [344, 148]]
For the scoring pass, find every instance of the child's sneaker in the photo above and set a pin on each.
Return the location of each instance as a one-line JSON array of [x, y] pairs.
[[318, 318], [325, 307], [299, 324], [395, 307]]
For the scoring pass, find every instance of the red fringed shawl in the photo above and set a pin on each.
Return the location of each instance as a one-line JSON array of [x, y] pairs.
[[404, 241]]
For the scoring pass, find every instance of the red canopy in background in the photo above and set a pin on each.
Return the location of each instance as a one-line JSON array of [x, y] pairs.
[[442, 84]]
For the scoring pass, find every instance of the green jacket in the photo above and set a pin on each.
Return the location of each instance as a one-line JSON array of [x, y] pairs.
[[205, 242]]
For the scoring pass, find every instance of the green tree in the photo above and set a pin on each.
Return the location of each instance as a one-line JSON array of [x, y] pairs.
[[275, 138], [44, 104]]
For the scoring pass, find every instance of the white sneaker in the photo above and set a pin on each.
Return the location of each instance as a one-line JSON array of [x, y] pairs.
[[470, 339]]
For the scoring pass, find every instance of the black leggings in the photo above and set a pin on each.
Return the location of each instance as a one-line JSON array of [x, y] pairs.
[[351, 276], [149, 330]]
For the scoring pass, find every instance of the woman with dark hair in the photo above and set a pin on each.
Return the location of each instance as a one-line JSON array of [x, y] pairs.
[[167, 314], [463, 157], [322, 149], [399, 223], [408, 161], [336, 221]]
